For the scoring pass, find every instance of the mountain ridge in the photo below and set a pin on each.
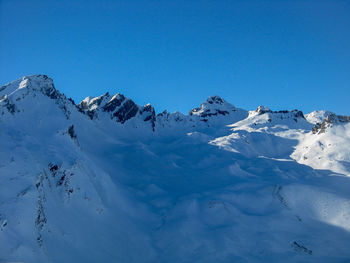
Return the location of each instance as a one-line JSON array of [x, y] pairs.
[[103, 180], [213, 106]]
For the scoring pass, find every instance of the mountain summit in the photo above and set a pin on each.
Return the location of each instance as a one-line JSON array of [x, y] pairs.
[[107, 180]]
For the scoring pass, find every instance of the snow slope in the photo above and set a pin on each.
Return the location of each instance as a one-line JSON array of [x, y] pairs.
[[108, 180]]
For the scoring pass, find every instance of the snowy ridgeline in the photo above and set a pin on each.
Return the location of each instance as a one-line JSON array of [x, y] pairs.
[[107, 180]]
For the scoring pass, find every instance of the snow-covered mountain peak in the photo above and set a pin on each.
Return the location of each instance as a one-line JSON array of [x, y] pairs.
[[118, 108], [213, 106], [217, 111], [107, 177], [215, 99], [259, 111], [35, 82], [262, 109], [329, 121], [31, 92], [281, 114], [317, 116], [266, 119]]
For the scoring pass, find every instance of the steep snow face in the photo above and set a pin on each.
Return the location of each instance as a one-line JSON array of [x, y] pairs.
[[95, 182]]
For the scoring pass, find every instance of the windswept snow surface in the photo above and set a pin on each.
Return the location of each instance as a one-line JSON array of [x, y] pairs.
[[108, 180]]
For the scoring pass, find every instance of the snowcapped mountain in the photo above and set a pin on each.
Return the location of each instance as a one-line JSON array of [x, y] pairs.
[[107, 180]]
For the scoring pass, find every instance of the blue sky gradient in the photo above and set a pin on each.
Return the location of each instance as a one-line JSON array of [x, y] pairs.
[[174, 54]]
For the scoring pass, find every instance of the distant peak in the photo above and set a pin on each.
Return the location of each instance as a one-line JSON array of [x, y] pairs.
[[215, 100], [328, 122], [36, 81], [37, 77], [216, 108], [117, 96], [262, 109], [41, 83]]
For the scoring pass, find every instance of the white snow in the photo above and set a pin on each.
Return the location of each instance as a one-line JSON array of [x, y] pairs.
[[218, 185]]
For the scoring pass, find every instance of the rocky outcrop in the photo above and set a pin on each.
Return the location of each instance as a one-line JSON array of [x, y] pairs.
[[149, 115], [329, 122], [118, 108], [126, 111], [300, 248], [15, 92], [295, 115], [262, 109], [283, 113], [214, 106], [115, 102]]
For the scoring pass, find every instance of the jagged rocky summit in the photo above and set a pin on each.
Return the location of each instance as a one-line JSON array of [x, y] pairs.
[[108, 180]]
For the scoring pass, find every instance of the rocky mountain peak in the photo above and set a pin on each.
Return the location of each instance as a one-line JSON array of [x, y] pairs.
[[213, 106], [35, 82], [328, 122], [13, 94], [281, 114], [215, 100], [262, 109]]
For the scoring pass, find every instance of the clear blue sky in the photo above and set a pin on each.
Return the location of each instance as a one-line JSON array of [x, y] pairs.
[[174, 54]]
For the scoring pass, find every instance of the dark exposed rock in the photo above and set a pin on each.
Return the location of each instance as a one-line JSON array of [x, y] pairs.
[[71, 132], [300, 248], [45, 77], [128, 110], [164, 113], [298, 114], [53, 167], [329, 122], [217, 112], [91, 114], [3, 224], [215, 100], [295, 113], [40, 218], [120, 108], [85, 107], [262, 109], [318, 128], [277, 193], [51, 92], [72, 101], [281, 111], [211, 100], [342, 118], [61, 180], [81, 108], [9, 106], [150, 114], [115, 102]]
